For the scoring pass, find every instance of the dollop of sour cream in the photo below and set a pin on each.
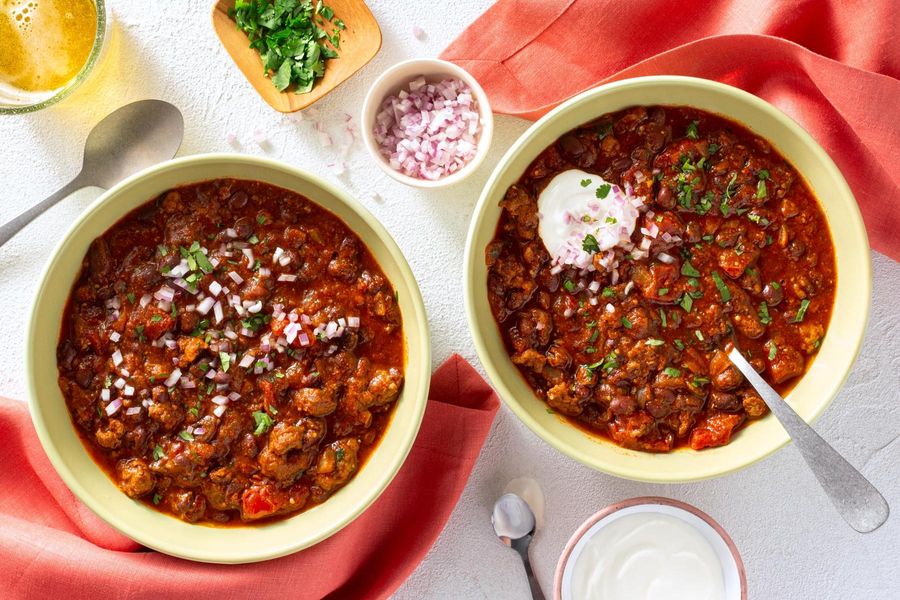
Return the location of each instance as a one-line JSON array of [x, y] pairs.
[[647, 556], [580, 215]]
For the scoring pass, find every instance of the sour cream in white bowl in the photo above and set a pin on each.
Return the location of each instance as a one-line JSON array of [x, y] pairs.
[[650, 549]]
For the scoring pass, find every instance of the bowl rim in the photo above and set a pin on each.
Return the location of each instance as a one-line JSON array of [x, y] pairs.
[[370, 104], [646, 501], [472, 254], [416, 324], [98, 49]]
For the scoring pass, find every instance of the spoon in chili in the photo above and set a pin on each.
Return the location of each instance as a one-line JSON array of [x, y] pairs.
[[857, 500], [128, 140], [514, 524]]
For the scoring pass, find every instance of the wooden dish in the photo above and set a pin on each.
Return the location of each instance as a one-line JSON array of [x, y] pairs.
[[360, 42]]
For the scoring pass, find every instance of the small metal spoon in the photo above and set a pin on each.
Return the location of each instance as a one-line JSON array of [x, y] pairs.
[[857, 500], [130, 139], [514, 524]]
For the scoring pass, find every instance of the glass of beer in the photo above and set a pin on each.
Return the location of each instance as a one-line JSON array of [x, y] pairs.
[[47, 49]]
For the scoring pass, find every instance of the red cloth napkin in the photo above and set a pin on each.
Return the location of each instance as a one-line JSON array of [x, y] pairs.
[[52, 546], [833, 66]]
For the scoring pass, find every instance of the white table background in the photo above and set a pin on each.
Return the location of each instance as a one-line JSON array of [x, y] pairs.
[[793, 543]]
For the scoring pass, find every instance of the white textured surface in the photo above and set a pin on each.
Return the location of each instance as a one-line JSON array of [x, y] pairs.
[[793, 543]]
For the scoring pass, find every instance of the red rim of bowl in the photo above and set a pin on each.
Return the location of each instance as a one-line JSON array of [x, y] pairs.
[[612, 508]]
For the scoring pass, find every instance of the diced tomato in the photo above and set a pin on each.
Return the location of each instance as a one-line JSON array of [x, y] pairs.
[[714, 430], [258, 502]]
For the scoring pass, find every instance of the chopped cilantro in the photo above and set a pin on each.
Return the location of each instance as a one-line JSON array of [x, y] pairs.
[[603, 191], [773, 350], [692, 130], [156, 318], [139, 333], [764, 316], [672, 371], [662, 317], [761, 189], [157, 498], [688, 270], [678, 344], [724, 292], [186, 436], [585, 182], [590, 244], [261, 219], [130, 297], [611, 220], [569, 285], [804, 305], [626, 323], [289, 39], [158, 452], [654, 342], [263, 422], [608, 292], [759, 220], [662, 291], [698, 334], [686, 302], [224, 361]]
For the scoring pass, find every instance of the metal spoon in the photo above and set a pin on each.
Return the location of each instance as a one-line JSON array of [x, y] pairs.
[[857, 500], [514, 524], [128, 140]]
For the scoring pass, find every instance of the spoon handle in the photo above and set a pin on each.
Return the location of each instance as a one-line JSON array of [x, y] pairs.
[[521, 546], [11, 228], [857, 500]]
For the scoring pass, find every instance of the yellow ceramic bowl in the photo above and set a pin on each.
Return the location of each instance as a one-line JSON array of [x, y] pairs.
[[155, 529], [851, 308]]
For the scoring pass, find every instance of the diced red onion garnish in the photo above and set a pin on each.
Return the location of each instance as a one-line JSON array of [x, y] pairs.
[[342, 322], [211, 374], [220, 400], [246, 332], [214, 262], [219, 410], [665, 258], [184, 285], [218, 312], [145, 300], [290, 332], [255, 307], [232, 396], [628, 287], [173, 377], [206, 305], [128, 390], [117, 358], [113, 407], [429, 131], [119, 383], [610, 308], [246, 361], [188, 384], [593, 301], [133, 410], [165, 293], [231, 232], [353, 322], [304, 318], [115, 337], [304, 339], [279, 251], [230, 334], [113, 303], [287, 277], [104, 394], [568, 313], [124, 372], [248, 252], [259, 137], [331, 329], [594, 287], [215, 287]]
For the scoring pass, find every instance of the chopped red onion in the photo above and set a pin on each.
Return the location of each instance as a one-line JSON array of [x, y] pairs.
[[429, 131], [665, 258], [215, 288], [255, 307], [133, 410], [220, 400], [145, 300], [104, 394], [304, 339], [117, 358], [218, 312], [128, 390], [205, 306], [114, 336], [119, 383], [288, 277], [246, 361], [219, 410], [353, 322], [173, 377], [113, 407]]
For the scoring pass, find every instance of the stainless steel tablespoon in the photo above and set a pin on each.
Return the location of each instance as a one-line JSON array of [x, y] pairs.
[[514, 524], [857, 500], [132, 138]]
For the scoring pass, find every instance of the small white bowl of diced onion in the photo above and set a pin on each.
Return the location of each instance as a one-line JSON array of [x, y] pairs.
[[427, 123]]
